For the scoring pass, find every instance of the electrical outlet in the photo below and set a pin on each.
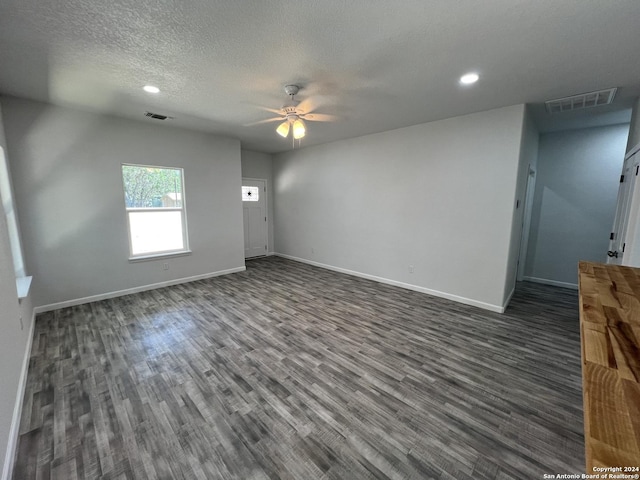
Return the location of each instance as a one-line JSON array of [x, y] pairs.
[[411, 269], [21, 324], [165, 266], [312, 250]]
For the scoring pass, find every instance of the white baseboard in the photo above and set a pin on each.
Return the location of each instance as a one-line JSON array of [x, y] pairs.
[[554, 283], [408, 286], [12, 444], [128, 291]]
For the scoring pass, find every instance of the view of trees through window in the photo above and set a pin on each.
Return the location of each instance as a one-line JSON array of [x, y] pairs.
[[149, 187]]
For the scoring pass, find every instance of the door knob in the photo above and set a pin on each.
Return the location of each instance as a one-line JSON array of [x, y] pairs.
[[613, 254]]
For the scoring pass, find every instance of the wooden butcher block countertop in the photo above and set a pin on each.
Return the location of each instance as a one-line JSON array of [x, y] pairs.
[[610, 333]]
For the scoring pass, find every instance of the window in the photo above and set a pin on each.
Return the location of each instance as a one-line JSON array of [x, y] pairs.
[[6, 194], [250, 194], [156, 215], [23, 282]]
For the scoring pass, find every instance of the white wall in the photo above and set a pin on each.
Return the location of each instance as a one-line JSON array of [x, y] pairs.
[[15, 327], [528, 158], [11, 344], [66, 167], [575, 200], [259, 165], [437, 196]]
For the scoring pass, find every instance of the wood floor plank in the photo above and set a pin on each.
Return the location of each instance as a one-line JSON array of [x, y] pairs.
[[287, 371]]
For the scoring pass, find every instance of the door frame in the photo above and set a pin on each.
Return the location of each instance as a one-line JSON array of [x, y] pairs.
[[530, 189], [625, 224], [266, 208]]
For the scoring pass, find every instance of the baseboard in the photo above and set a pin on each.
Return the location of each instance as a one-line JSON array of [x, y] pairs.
[[12, 444], [395, 283], [129, 291], [554, 283]]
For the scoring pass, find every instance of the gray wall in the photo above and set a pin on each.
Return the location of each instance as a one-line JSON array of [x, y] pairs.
[[259, 165], [15, 326], [528, 157], [66, 167], [575, 201], [439, 196]]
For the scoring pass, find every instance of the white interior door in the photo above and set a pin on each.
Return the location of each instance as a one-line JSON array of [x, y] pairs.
[[625, 222], [254, 207]]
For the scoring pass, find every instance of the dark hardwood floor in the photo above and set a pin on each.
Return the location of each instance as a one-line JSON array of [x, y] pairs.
[[288, 371]]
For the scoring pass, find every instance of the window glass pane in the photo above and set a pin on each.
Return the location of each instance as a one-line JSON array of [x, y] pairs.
[[250, 194], [155, 231], [152, 187], [6, 195]]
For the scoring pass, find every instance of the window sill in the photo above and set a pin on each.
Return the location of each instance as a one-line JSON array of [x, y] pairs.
[[23, 284], [156, 256]]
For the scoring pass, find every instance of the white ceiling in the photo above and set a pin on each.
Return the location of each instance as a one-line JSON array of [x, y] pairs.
[[377, 64]]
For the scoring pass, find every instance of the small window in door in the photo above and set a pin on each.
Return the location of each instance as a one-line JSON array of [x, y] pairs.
[[250, 194]]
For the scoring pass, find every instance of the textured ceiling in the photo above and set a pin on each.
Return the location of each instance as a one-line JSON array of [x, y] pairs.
[[376, 64]]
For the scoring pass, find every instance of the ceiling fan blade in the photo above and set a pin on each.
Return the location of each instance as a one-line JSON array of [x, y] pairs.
[[272, 110], [267, 120], [307, 105], [320, 117], [310, 104]]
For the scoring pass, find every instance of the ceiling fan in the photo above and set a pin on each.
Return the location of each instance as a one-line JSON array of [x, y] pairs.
[[293, 115]]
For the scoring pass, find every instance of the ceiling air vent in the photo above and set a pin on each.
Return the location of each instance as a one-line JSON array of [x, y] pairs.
[[157, 116], [584, 100]]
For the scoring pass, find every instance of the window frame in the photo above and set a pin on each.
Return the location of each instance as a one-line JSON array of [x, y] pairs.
[[185, 250], [8, 209]]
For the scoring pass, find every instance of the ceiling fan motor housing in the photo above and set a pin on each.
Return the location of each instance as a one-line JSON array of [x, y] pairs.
[[290, 112], [291, 89]]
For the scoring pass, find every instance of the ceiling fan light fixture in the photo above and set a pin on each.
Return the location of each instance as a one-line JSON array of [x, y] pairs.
[[299, 130], [283, 129]]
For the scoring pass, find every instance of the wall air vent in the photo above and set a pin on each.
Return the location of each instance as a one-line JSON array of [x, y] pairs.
[[157, 116], [584, 100]]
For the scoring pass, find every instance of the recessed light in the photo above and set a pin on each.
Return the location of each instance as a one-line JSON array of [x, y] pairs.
[[469, 78], [151, 89]]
